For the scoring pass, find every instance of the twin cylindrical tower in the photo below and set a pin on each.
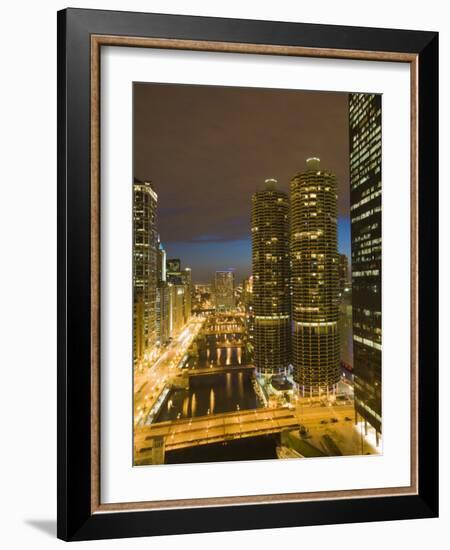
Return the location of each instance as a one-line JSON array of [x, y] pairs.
[[315, 279], [271, 288], [295, 274]]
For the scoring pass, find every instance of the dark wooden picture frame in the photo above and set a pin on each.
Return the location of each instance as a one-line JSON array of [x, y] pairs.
[[81, 34]]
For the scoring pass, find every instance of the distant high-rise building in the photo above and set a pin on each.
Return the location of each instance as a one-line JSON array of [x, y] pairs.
[[162, 298], [270, 259], [315, 282], [177, 318], [163, 312], [162, 262], [173, 265], [187, 273], [144, 268], [181, 277], [187, 278], [365, 215], [224, 290], [343, 272]]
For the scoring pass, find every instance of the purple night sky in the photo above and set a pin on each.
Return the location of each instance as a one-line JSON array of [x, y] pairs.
[[207, 149]]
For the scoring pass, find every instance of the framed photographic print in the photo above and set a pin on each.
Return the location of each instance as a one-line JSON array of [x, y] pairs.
[[247, 255]]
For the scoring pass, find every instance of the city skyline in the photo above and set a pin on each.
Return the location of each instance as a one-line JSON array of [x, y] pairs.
[[276, 355], [213, 228]]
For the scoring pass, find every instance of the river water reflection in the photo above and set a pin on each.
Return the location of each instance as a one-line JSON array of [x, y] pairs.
[[216, 393]]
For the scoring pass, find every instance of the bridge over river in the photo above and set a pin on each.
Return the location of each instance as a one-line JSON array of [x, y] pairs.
[[206, 430], [205, 371]]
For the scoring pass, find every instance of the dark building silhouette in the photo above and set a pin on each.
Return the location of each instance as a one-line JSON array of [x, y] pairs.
[[365, 214]]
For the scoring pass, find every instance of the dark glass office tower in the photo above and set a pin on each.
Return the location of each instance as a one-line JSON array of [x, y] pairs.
[[365, 214], [315, 280], [270, 257]]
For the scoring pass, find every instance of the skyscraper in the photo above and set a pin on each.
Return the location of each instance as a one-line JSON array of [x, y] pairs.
[[162, 298], [224, 290], [365, 216], [315, 282], [162, 261], [177, 318], [187, 278], [145, 241], [270, 259], [173, 265], [181, 278]]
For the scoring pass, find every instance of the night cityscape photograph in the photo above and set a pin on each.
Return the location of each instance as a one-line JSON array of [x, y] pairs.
[[257, 247]]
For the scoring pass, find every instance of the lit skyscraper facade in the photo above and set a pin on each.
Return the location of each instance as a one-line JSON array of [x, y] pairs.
[[181, 282], [224, 290], [177, 310], [365, 215], [270, 258], [145, 250], [162, 298], [162, 261], [315, 279]]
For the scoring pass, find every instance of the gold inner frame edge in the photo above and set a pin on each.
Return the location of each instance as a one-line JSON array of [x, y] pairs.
[[97, 41]]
